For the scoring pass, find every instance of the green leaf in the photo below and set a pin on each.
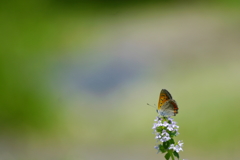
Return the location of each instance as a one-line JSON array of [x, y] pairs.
[[171, 141], [161, 148], [176, 154], [166, 145], [172, 134], [159, 129], [167, 156]]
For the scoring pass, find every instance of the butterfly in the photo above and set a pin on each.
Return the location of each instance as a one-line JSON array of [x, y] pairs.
[[166, 105]]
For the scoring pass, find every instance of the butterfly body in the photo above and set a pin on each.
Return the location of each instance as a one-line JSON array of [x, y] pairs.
[[166, 105]]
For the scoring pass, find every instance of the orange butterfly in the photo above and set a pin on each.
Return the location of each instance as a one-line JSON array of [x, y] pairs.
[[166, 105]]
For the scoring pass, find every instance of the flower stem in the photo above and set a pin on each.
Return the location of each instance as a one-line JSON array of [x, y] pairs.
[[171, 154]]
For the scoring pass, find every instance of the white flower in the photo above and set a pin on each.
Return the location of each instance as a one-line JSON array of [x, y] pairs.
[[157, 119], [180, 143], [165, 139], [164, 132], [174, 124], [178, 146], [158, 137], [154, 126], [170, 128], [172, 147], [165, 124]]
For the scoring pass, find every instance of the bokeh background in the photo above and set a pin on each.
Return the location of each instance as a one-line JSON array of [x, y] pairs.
[[76, 76]]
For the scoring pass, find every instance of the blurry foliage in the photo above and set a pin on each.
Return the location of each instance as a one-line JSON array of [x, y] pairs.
[[24, 103], [26, 37], [127, 3]]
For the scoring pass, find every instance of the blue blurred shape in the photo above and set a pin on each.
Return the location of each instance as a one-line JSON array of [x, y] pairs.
[[108, 77]]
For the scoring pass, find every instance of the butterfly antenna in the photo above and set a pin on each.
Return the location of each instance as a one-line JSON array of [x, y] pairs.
[[152, 105]]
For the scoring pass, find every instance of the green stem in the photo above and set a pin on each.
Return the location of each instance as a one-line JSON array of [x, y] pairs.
[[171, 154]]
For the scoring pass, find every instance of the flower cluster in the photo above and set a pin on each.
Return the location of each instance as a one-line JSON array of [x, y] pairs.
[[177, 147], [165, 129]]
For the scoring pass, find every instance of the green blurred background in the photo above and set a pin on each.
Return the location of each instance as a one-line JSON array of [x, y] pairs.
[[75, 78]]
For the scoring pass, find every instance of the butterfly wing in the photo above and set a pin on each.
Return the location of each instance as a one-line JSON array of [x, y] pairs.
[[163, 97], [169, 108]]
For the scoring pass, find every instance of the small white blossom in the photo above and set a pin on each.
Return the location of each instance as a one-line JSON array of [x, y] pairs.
[[165, 139], [180, 143], [177, 147], [154, 126], [158, 137], [165, 124], [170, 128], [164, 132], [157, 119], [172, 147]]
